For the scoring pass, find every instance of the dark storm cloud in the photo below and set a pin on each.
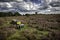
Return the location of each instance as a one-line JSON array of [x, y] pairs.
[[25, 5], [34, 1]]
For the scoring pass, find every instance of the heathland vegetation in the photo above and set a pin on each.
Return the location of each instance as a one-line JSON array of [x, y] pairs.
[[36, 27]]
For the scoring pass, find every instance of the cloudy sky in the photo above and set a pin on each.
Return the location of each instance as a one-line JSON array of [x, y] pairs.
[[25, 5]]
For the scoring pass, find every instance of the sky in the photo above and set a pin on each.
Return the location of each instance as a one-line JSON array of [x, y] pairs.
[[25, 5]]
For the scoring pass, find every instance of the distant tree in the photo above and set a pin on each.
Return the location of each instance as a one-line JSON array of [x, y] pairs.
[[2, 14], [27, 14], [36, 13], [17, 14], [5, 14]]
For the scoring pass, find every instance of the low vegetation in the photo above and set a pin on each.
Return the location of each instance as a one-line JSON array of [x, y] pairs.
[[37, 27]]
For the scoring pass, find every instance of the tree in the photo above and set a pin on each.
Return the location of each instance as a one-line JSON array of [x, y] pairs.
[[35, 12], [17, 14]]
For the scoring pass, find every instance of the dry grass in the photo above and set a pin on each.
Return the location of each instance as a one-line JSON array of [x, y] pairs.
[[37, 27]]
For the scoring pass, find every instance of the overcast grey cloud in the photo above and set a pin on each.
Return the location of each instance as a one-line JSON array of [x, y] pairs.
[[29, 5]]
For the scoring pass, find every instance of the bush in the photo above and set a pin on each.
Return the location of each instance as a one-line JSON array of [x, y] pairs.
[[6, 32], [1, 22]]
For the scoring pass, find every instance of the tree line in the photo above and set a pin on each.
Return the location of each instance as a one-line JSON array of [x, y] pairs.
[[5, 14]]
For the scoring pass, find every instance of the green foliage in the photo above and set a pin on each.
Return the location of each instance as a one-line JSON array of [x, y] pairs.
[[6, 14], [27, 15], [17, 14]]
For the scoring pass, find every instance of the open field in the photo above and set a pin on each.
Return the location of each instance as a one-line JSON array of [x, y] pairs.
[[37, 27]]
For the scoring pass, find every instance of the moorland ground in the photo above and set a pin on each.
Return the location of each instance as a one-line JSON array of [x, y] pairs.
[[36, 27]]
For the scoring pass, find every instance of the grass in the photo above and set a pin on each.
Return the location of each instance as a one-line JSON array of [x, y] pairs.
[[19, 33], [36, 27]]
